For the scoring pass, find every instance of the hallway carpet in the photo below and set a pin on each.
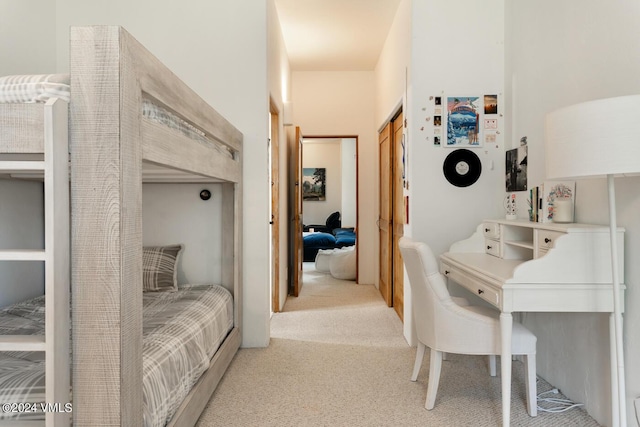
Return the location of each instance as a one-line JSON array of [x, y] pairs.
[[337, 357]]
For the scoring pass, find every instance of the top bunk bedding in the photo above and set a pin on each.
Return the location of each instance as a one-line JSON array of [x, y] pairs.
[[38, 89], [181, 332], [30, 89]]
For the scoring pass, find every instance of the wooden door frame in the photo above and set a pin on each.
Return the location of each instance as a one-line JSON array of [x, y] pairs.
[[322, 136], [275, 205], [385, 278], [399, 219], [295, 236]]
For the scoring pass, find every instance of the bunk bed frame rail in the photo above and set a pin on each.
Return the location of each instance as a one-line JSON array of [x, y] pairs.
[[111, 73]]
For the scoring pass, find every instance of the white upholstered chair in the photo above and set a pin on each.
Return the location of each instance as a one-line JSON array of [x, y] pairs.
[[446, 326]]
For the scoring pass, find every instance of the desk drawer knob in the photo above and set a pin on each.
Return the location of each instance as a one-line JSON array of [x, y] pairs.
[[486, 230], [446, 272], [547, 240], [480, 292], [488, 248]]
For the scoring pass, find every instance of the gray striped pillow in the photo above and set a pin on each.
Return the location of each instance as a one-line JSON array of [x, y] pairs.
[[160, 267]]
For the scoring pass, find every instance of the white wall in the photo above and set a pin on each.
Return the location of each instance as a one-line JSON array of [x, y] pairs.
[[394, 66], [175, 213], [323, 155], [453, 54], [349, 182], [27, 29], [573, 60], [220, 50], [279, 82], [21, 227], [339, 103]]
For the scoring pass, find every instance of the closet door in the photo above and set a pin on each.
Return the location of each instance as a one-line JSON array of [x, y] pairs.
[[398, 214], [385, 218]]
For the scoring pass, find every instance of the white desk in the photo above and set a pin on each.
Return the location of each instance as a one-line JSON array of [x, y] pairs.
[[522, 266]]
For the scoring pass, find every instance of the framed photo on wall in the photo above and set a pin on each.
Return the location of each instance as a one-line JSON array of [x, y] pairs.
[[314, 184], [516, 169], [463, 121]]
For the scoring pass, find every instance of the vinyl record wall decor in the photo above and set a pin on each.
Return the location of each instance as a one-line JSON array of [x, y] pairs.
[[462, 167]]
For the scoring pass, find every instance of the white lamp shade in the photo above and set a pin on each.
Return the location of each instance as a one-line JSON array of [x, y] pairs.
[[594, 138]]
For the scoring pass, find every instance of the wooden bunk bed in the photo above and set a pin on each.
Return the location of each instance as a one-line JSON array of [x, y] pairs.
[[112, 74], [34, 140], [114, 146]]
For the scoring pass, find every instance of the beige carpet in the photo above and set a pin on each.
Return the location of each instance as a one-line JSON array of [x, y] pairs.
[[337, 357]]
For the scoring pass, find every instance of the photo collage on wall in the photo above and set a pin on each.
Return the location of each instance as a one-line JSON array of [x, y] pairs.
[[464, 121]]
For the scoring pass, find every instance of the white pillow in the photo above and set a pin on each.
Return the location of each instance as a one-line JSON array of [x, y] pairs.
[[343, 263], [323, 260]]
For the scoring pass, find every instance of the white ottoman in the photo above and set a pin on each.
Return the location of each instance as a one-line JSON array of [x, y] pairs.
[[342, 263], [323, 260]]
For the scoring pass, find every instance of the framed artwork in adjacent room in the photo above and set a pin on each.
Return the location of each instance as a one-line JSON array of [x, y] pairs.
[[314, 184]]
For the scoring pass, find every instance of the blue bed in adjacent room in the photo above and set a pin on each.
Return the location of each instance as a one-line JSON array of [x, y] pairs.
[[344, 237], [314, 241]]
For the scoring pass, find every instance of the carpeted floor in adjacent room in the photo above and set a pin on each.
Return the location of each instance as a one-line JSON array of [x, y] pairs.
[[338, 357]]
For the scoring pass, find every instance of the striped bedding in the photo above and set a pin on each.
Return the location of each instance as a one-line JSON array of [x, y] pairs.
[[34, 88], [181, 332]]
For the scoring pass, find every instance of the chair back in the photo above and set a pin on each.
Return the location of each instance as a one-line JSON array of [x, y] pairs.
[[429, 294]]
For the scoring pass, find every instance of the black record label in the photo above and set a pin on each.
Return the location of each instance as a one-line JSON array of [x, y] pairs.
[[462, 168]]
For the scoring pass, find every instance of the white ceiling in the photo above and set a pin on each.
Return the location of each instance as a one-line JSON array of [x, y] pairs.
[[335, 35]]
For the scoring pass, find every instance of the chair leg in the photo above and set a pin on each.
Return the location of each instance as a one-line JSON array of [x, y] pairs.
[[530, 382], [435, 366], [492, 365], [418, 363]]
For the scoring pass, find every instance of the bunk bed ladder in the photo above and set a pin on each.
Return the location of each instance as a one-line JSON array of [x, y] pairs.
[[56, 258]]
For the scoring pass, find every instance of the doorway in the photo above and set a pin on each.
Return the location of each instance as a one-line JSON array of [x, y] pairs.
[[336, 159]]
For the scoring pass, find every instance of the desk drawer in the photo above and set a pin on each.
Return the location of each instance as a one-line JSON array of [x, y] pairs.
[[491, 230], [492, 247], [547, 239], [484, 291]]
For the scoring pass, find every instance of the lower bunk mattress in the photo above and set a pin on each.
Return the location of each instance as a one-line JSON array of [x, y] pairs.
[[182, 330]]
